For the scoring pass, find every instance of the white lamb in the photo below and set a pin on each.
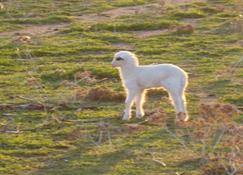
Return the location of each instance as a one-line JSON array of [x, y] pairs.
[[136, 79]]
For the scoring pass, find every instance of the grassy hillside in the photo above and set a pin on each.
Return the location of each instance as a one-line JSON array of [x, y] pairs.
[[61, 101]]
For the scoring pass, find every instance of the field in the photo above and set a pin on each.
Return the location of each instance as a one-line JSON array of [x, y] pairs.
[[61, 101]]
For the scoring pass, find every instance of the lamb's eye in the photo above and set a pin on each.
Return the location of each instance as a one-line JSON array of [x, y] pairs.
[[119, 59]]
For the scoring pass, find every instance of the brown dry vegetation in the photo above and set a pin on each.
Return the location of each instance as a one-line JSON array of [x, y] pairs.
[[156, 117], [215, 131], [104, 94], [217, 111], [185, 29]]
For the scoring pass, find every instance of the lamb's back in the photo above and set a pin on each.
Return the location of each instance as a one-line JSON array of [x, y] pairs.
[[155, 70], [151, 75]]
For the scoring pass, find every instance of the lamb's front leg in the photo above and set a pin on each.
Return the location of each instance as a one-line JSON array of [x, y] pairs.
[[128, 104], [139, 99]]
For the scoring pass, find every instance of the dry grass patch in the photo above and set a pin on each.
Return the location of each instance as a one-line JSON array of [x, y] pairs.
[[85, 77], [75, 134], [217, 111], [133, 127], [104, 94], [156, 117], [184, 29], [215, 138]]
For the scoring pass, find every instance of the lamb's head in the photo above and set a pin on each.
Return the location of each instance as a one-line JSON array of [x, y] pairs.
[[124, 59]]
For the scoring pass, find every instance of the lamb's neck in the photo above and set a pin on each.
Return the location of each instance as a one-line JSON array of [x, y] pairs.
[[127, 72]]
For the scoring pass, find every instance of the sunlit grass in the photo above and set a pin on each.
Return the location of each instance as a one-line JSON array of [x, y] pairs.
[[63, 137]]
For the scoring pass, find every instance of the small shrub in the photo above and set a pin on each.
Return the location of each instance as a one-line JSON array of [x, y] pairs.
[[104, 94], [80, 94], [33, 82], [25, 39], [184, 29], [214, 168]]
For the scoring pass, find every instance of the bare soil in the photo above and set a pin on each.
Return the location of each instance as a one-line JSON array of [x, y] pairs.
[[118, 12], [36, 30], [110, 14]]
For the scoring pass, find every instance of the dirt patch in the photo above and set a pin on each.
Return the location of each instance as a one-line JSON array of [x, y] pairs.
[[110, 14], [133, 127], [122, 11], [130, 10], [91, 17], [187, 28], [123, 46], [118, 12], [207, 97], [36, 30], [182, 1], [240, 42], [29, 106], [149, 33], [218, 111]]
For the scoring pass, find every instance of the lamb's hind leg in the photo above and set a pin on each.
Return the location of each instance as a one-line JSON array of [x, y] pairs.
[[177, 95], [179, 104]]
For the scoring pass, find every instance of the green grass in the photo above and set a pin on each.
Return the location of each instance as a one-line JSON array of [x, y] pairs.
[[133, 26], [47, 20], [47, 143]]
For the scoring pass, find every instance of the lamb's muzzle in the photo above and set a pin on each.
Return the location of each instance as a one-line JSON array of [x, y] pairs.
[[136, 79]]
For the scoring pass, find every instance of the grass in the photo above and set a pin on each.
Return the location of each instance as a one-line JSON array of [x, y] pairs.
[[65, 137], [133, 26]]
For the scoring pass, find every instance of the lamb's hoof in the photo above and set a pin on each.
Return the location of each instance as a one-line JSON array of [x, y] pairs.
[[125, 118], [182, 116], [139, 116]]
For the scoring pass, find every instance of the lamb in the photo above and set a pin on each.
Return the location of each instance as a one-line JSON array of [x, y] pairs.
[[136, 79]]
